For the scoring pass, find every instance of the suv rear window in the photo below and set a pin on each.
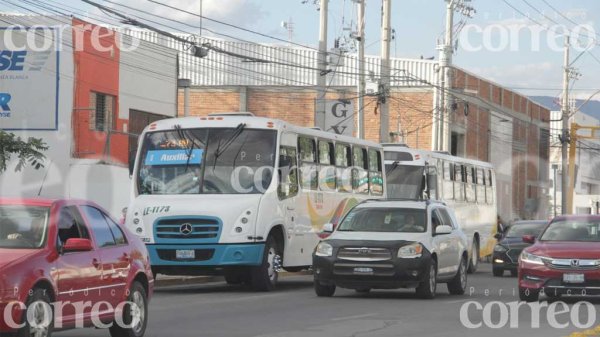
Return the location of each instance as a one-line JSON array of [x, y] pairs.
[[392, 220]]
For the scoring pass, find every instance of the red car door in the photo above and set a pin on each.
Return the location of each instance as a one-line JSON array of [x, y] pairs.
[[114, 253], [78, 274]]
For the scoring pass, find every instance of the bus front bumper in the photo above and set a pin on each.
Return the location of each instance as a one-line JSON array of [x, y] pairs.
[[216, 255]]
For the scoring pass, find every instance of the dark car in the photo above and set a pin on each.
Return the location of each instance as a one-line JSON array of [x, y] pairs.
[[510, 245], [564, 259]]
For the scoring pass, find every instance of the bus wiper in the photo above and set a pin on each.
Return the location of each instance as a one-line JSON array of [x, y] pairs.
[[190, 142], [224, 146], [394, 166]]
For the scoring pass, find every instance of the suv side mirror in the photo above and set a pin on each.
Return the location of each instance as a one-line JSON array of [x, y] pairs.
[[443, 230], [529, 239], [77, 245], [328, 228]]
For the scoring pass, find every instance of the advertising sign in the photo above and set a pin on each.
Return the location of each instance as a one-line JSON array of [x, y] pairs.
[[29, 78], [339, 117]]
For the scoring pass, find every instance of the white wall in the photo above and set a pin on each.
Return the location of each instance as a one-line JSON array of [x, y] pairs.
[[29, 181], [148, 79]]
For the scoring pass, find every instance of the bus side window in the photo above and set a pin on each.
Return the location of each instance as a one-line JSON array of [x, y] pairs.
[[326, 167], [459, 183], [308, 160], [343, 169], [288, 173], [360, 177], [489, 190], [448, 184], [470, 184], [375, 173], [480, 186]]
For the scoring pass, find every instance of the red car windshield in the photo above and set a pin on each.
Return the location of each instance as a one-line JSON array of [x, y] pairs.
[[572, 230], [23, 227]]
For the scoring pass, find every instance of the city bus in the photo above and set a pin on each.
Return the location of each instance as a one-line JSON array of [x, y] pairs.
[[467, 186], [243, 196]]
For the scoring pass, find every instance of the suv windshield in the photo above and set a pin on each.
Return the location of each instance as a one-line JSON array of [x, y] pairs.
[[207, 161], [404, 181], [396, 220], [23, 226], [572, 231], [520, 230]]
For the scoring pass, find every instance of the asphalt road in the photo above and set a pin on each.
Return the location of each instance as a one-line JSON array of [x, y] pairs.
[[218, 310]]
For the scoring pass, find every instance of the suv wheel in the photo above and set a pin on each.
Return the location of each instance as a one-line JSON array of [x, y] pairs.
[[458, 285], [427, 288], [474, 261], [323, 290]]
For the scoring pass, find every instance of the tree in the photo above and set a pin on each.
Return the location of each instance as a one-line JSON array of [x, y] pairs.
[[27, 152]]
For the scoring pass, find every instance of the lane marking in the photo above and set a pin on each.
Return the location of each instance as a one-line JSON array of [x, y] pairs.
[[346, 318]]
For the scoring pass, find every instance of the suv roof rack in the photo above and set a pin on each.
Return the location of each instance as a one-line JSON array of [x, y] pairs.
[[428, 201]]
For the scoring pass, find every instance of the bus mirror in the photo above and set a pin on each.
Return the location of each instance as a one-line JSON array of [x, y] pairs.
[[131, 163]]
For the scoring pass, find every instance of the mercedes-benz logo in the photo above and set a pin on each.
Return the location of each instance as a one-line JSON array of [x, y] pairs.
[[574, 263], [186, 229]]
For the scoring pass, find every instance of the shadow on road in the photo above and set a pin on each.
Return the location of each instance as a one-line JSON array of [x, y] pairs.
[[283, 285]]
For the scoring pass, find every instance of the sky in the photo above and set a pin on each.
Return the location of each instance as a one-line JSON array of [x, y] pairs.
[[521, 49]]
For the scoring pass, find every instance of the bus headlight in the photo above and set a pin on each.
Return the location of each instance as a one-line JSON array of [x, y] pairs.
[[324, 249], [411, 251]]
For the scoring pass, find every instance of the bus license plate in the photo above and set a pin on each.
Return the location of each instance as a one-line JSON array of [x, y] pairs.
[[573, 278], [363, 270], [185, 254]]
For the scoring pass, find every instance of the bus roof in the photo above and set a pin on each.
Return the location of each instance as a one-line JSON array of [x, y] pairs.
[[421, 156], [232, 119]]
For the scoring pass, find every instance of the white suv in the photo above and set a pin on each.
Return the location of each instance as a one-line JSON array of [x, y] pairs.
[[388, 244]]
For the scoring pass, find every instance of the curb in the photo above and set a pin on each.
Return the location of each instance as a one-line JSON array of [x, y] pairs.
[[166, 281]]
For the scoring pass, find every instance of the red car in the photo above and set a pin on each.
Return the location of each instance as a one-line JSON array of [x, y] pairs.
[[563, 260], [67, 264]]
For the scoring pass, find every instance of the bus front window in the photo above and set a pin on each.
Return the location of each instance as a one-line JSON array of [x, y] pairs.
[[404, 181], [207, 161]]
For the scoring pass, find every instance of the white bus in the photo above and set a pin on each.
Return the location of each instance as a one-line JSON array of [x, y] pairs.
[[467, 186], [207, 199]]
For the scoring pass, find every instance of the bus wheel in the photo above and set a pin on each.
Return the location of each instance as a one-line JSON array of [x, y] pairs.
[[474, 260], [265, 276]]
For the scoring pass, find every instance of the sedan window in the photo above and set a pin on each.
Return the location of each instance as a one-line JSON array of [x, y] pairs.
[[572, 231], [23, 226], [102, 233]]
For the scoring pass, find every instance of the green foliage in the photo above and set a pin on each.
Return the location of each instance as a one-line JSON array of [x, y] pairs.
[[27, 152]]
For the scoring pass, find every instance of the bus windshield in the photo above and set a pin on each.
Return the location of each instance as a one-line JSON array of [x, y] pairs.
[[207, 161], [404, 181]]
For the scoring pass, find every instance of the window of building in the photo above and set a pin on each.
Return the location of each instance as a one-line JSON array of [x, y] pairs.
[[102, 118]]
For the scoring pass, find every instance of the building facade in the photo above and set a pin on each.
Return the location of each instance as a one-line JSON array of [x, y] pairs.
[[86, 91]]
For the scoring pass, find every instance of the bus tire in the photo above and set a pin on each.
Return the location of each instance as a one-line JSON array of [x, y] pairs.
[[233, 276], [474, 260], [265, 276]]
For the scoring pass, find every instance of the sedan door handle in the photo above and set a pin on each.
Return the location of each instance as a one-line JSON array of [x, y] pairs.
[[291, 208], [96, 263]]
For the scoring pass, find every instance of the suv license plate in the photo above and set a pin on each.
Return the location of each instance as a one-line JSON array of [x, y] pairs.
[[186, 254], [573, 278], [363, 270]]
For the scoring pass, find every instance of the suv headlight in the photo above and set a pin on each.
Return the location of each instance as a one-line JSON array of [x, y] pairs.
[[411, 251], [530, 258], [324, 249], [500, 249]]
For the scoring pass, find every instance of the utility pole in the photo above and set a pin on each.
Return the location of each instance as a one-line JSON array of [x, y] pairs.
[[361, 68], [565, 130], [446, 52], [384, 87], [446, 69], [322, 66]]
